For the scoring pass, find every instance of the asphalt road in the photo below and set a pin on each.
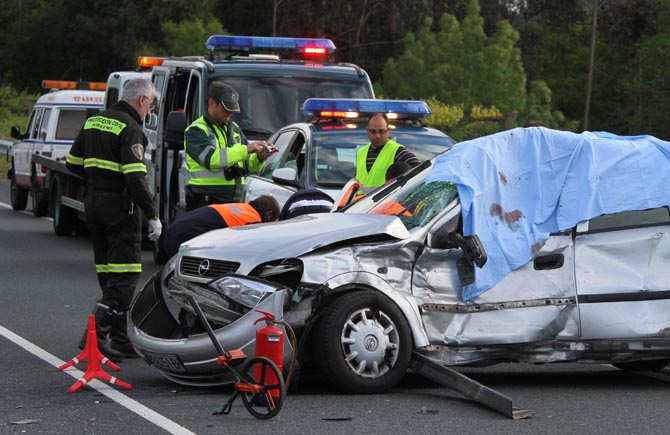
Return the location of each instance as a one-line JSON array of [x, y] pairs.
[[48, 286]]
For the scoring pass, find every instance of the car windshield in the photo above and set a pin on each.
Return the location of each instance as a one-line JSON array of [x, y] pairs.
[[410, 198], [334, 153], [269, 103]]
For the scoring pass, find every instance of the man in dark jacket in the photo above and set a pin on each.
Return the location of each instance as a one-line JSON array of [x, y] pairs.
[[109, 153], [214, 216]]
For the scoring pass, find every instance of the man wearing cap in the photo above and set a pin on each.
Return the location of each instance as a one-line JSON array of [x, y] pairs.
[[218, 156]]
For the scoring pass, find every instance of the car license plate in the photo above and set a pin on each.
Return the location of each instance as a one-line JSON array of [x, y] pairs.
[[166, 362]]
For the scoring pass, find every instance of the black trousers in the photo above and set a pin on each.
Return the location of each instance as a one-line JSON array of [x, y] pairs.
[[116, 229]]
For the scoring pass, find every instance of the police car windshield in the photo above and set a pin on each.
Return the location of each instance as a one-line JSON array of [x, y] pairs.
[[412, 200], [276, 101], [334, 150]]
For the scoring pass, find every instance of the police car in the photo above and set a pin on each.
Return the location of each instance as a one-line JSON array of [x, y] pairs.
[[321, 153], [54, 123]]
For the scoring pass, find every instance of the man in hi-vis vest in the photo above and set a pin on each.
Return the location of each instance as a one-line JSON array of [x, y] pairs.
[[374, 159], [218, 156]]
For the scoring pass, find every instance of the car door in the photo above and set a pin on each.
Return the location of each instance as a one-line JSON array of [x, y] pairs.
[[623, 279], [291, 144], [536, 302]]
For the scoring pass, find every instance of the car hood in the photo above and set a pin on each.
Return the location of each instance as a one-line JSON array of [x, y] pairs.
[[254, 244]]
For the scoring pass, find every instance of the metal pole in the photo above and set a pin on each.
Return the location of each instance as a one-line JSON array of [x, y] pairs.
[[587, 106]]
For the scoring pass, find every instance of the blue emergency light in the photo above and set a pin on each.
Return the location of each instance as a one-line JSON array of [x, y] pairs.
[[307, 46], [354, 108]]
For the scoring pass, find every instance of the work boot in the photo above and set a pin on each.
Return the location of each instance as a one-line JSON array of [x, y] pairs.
[[119, 334], [103, 326]]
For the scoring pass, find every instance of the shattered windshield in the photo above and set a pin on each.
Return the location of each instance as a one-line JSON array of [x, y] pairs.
[[413, 200]]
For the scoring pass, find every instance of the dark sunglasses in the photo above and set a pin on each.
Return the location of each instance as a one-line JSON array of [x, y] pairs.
[[377, 131]]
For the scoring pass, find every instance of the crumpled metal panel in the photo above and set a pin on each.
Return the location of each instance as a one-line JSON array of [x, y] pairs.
[[527, 306]]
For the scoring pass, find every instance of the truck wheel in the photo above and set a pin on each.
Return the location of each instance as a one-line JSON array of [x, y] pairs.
[[18, 195], [40, 208], [65, 218], [364, 343], [652, 365]]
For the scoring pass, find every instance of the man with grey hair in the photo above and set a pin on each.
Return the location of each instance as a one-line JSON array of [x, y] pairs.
[[109, 153]]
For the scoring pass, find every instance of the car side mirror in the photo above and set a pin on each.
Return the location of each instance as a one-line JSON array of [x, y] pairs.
[[174, 131], [347, 195], [15, 132], [286, 177], [474, 254]]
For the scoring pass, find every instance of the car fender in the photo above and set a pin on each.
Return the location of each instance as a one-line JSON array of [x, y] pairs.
[[403, 300]]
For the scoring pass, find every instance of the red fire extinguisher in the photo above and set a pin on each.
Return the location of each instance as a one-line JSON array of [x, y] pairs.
[[270, 344]]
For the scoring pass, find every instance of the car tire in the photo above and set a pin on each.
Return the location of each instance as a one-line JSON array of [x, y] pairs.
[[18, 196], [40, 208], [160, 256], [64, 217], [652, 365], [364, 343]]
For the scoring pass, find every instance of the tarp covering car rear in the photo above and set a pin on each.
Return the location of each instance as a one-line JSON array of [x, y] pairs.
[[518, 186]]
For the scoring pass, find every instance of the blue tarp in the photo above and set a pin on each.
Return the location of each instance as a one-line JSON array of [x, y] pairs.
[[518, 186]]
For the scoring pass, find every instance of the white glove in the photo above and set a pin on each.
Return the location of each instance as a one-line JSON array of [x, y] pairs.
[[155, 229]]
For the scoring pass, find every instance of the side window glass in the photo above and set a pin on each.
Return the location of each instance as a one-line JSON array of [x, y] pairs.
[[151, 121], [192, 99], [630, 219], [44, 124], [275, 161], [69, 124], [37, 120]]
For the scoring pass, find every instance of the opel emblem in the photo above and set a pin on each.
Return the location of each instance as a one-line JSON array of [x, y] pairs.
[[203, 267]]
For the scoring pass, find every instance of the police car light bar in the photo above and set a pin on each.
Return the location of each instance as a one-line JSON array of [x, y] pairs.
[[308, 46], [63, 84], [353, 108]]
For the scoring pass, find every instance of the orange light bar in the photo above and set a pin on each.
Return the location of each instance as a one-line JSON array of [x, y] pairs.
[[149, 61], [337, 114], [64, 84]]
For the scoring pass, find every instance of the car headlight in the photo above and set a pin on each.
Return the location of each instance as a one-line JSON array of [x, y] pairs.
[[246, 292]]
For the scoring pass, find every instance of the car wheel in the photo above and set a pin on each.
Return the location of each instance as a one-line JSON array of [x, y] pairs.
[[64, 217], [18, 195], [40, 208], [652, 365], [364, 343]]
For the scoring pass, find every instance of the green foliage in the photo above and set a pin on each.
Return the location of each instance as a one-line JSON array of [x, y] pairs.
[[460, 66], [539, 108], [15, 109], [185, 38]]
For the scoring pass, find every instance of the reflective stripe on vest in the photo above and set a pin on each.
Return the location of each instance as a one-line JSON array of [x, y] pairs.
[[377, 175], [201, 176], [119, 268], [237, 214]]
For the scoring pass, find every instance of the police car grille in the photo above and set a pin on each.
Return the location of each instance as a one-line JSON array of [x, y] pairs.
[[206, 268]]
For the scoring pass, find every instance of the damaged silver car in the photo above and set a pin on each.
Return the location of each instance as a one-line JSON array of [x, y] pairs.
[[366, 287]]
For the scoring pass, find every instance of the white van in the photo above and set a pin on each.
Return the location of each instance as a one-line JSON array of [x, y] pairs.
[[54, 123]]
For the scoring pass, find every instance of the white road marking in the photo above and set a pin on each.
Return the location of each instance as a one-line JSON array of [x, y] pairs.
[[9, 206], [118, 397]]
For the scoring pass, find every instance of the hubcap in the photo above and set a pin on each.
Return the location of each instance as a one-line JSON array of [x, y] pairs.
[[370, 344]]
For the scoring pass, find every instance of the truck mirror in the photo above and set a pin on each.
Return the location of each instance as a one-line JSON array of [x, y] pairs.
[[286, 177], [174, 131], [15, 132]]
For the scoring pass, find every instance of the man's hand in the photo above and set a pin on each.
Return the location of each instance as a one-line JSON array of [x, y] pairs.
[[155, 229], [262, 149]]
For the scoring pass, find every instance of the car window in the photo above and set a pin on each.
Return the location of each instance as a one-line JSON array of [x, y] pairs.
[[70, 121], [36, 122], [278, 160], [629, 219], [45, 124], [415, 202]]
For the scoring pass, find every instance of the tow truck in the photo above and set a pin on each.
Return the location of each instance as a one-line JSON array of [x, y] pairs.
[[273, 77], [55, 120]]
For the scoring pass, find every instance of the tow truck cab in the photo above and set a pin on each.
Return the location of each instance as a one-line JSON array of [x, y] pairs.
[[55, 120], [273, 77]]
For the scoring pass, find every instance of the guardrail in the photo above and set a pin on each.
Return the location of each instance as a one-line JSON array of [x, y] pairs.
[[4, 146]]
